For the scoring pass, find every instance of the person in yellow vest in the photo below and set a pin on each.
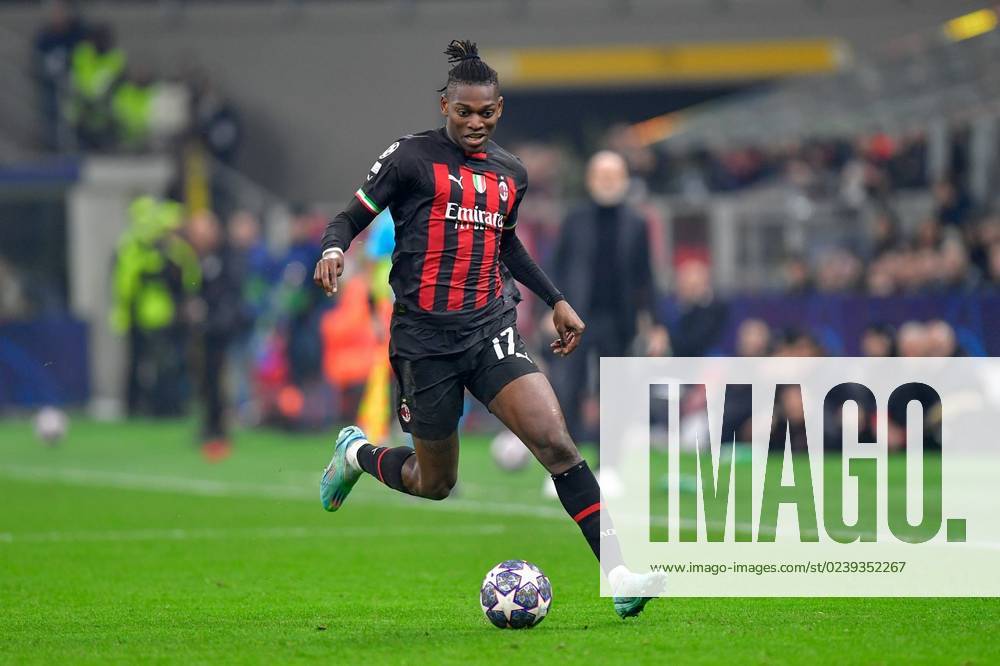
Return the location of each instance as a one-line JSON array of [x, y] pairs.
[[96, 68], [155, 271]]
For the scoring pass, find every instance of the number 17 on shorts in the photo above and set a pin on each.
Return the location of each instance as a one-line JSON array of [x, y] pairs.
[[504, 345]]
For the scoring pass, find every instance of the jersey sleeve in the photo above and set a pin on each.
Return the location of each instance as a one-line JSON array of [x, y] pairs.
[[380, 189], [385, 176], [524, 269]]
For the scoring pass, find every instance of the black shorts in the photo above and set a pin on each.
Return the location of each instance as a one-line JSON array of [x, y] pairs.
[[432, 389]]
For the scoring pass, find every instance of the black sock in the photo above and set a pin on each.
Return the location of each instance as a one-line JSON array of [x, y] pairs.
[[385, 464], [581, 497]]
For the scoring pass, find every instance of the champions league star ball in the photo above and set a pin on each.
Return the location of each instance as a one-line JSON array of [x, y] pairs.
[[515, 595], [51, 425], [508, 452]]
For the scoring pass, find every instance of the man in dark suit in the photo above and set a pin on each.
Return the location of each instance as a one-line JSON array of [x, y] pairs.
[[603, 265]]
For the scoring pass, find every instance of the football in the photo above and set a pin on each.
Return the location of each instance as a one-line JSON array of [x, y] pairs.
[[508, 452], [51, 424], [515, 595]]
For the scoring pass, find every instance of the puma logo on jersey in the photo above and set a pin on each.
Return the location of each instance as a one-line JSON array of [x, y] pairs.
[[457, 180]]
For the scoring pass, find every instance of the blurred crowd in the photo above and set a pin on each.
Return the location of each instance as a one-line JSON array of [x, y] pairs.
[[214, 317], [954, 245], [629, 311], [211, 310], [935, 337], [95, 97]]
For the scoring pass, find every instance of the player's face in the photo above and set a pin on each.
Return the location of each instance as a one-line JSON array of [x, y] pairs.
[[472, 113]]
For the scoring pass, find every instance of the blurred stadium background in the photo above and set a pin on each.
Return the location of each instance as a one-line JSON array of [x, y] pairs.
[[814, 177], [832, 164]]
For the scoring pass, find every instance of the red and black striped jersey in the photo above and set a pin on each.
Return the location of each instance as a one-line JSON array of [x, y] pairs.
[[450, 209]]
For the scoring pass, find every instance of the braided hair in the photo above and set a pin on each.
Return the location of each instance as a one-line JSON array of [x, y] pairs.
[[467, 67]]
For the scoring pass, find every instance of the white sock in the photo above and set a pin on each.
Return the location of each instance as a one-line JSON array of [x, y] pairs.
[[352, 454]]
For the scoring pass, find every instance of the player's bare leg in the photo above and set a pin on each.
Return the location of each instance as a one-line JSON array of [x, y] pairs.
[[529, 408]]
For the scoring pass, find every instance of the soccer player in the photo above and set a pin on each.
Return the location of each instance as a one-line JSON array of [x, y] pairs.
[[454, 196]]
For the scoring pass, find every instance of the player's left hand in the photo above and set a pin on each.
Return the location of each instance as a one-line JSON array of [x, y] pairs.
[[570, 328]]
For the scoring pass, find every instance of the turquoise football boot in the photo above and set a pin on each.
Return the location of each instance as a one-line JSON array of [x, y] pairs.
[[630, 606], [637, 590], [338, 477]]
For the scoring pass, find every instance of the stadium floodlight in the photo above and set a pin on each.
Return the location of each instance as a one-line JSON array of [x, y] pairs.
[[970, 25]]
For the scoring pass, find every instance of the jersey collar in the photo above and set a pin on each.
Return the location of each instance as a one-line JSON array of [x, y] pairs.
[[481, 155]]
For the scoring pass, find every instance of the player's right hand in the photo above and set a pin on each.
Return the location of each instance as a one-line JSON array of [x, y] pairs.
[[328, 269], [570, 328]]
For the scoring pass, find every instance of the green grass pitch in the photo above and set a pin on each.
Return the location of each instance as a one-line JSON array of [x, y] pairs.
[[122, 546]]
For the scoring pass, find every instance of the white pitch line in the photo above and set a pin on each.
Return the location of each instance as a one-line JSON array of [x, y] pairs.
[[213, 533], [213, 488], [154, 482]]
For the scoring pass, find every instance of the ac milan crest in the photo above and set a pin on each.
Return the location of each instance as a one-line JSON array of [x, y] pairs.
[[504, 190], [404, 413]]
